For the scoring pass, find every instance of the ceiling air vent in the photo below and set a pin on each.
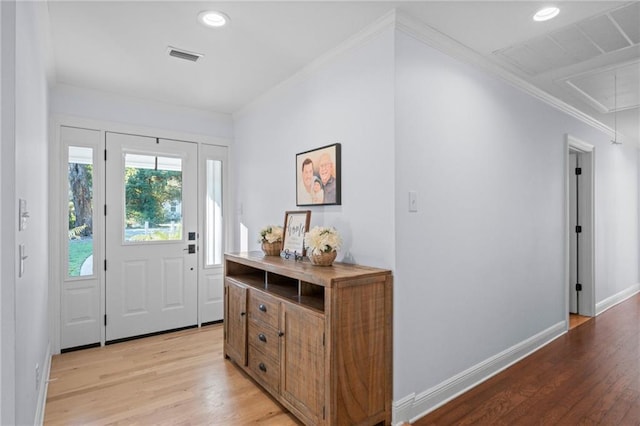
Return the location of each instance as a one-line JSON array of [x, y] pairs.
[[184, 54]]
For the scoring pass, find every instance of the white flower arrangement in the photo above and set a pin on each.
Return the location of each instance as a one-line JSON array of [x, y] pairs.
[[322, 240], [271, 234]]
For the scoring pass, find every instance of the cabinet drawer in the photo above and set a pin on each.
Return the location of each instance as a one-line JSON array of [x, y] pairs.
[[265, 369], [264, 339], [263, 307]]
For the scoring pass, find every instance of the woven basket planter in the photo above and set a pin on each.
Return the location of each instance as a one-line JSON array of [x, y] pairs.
[[272, 249], [323, 259]]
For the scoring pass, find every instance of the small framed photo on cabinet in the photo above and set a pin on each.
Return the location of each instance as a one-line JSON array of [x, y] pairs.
[[296, 224]]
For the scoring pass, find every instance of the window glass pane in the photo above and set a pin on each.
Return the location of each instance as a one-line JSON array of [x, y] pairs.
[[153, 198], [80, 211], [213, 214]]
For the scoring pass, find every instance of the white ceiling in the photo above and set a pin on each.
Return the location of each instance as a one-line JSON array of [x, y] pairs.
[[121, 47]]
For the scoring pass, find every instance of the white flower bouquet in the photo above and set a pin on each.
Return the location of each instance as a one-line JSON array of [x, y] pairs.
[[271, 234], [322, 240], [271, 239]]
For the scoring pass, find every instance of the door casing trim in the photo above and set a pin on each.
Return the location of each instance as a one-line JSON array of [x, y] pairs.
[[587, 151]]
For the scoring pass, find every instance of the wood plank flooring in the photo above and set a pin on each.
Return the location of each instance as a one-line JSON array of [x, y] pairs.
[[576, 320], [589, 376], [172, 379]]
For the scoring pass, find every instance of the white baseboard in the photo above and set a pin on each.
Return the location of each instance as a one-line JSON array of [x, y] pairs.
[[42, 391], [401, 410], [612, 301], [411, 407]]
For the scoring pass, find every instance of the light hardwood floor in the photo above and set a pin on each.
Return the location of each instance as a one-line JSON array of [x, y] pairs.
[[178, 379]]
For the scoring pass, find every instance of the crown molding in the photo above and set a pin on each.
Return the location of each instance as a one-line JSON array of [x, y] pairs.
[[420, 31], [434, 38]]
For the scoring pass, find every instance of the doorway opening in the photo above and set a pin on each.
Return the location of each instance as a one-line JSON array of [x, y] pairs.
[[580, 284]]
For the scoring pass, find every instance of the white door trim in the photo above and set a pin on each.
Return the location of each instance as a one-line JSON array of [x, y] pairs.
[[587, 150]]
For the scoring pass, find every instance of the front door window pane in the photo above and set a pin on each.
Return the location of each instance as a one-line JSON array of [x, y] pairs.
[[80, 212], [213, 212], [153, 198]]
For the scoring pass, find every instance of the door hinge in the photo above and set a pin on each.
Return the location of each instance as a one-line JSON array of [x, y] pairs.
[[105, 155], [105, 320], [105, 264], [578, 170], [578, 229], [578, 287], [322, 339], [105, 209]]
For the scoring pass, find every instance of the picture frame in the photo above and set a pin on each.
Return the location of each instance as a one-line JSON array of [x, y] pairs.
[[319, 177], [296, 224]]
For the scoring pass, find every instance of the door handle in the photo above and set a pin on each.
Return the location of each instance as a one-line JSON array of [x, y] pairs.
[[262, 337], [191, 248]]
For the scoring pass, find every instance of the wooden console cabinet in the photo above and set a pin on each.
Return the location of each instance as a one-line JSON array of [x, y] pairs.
[[318, 339]]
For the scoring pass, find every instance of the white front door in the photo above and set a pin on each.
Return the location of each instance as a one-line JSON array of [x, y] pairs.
[[151, 230]]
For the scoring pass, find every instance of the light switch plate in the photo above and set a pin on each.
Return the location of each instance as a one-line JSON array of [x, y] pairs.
[[23, 214], [22, 254]]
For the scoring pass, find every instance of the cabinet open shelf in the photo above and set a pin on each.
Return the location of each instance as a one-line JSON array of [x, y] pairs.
[[291, 289]]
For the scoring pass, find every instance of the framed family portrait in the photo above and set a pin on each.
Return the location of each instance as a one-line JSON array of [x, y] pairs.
[[296, 224], [318, 176]]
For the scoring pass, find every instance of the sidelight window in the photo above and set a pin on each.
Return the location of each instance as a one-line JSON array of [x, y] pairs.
[[80, 212], [213, 214]]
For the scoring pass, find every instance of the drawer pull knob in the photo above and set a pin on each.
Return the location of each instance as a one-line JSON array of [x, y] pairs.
[[262, 337], [243, 314], [262, 307], [280, 333], [262, 367]]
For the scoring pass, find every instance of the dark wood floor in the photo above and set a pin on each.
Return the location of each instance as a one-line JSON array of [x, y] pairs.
[[589, 376], [576, 320]]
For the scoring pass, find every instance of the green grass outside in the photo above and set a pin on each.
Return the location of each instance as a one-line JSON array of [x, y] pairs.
[[79, 251]]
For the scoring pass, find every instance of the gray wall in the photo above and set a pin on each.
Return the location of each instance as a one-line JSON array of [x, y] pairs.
[[7, 213], [25, 315], [107, 107], [348, 100], [481, 266]]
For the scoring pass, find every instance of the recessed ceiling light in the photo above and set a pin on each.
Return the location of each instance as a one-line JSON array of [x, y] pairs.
[[546, 13], [212, 18]]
